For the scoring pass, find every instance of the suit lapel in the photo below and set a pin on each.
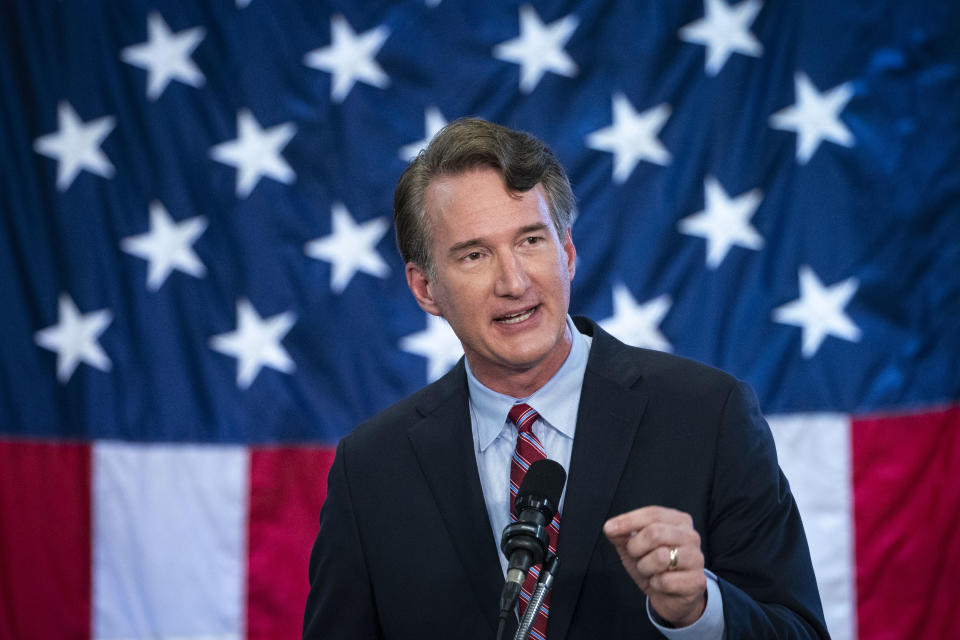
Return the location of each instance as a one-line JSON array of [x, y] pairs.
[[443, 445], [611, 405]]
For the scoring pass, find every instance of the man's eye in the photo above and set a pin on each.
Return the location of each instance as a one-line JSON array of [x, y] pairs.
[[473, 255], [533, 240]]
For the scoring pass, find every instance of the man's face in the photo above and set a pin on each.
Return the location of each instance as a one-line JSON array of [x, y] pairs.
[[501, 277]]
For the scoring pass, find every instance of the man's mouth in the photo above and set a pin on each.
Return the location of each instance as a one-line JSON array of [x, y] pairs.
[[517, 317]]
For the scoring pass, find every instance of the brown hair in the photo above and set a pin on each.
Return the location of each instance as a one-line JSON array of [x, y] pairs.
[[465, 144]]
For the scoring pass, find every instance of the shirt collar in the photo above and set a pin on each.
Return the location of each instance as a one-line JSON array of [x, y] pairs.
[[557, 401]]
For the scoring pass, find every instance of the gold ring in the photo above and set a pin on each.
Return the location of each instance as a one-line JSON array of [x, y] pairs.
[[674, 554]]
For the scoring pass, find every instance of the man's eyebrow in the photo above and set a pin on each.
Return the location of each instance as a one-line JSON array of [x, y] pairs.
[[466, 244], [474, 242], [530, 228]]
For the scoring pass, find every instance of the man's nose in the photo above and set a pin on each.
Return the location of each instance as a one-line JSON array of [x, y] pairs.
[[512, 278]]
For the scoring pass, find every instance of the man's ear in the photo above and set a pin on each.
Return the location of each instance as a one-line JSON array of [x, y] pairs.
[[571, 252], [419, 282]]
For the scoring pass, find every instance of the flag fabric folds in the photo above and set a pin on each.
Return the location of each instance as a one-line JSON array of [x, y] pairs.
[[201, 295]]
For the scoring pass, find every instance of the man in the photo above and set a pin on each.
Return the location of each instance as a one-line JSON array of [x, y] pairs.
[[675, 519]]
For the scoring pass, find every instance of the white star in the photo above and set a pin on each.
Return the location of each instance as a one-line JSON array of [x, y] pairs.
[[76, 145], [256, 152], [724, 222], [167, 246], [819, 311], [433, 122], [815, 116], [638, 324], [166, 56], [437, 343], [350, 57], [74, 338], [256, 343], [351, 247], [539, 48], [725, 30], [632, 137]]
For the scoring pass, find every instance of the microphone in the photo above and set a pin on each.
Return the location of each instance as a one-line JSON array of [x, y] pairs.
[[525, 542]]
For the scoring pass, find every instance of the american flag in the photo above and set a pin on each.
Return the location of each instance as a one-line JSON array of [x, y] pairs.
[[200, 293]]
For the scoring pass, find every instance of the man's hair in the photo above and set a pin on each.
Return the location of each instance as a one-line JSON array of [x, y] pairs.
[[466, 144]]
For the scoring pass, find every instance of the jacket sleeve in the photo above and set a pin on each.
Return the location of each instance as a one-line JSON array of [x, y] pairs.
[[756, 545], [340, 603]]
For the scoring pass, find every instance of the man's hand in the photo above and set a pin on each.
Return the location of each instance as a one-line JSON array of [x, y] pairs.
[[645, 539]]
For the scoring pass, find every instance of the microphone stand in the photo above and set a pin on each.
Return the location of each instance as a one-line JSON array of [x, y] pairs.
[[544, 582]]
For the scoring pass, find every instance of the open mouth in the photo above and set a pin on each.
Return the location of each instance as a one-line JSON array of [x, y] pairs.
[[517, 317]]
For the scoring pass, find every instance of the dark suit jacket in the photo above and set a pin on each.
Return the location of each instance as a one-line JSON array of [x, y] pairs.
[[405, 548]]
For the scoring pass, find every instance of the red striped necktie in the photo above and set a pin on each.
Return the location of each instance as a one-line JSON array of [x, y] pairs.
[[529, 450]]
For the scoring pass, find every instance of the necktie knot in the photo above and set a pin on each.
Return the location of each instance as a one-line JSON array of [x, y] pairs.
[[523, 415]]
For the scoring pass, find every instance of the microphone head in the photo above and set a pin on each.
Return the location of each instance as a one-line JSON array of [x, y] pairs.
[[525, 542], [544, 479]]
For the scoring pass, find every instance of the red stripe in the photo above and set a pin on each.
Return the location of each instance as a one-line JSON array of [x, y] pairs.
[[44, 541], [907, 518], [287, 488]]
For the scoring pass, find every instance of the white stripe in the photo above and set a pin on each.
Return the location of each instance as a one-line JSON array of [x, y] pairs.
[[205, 637], [814, 453], [169, 541]]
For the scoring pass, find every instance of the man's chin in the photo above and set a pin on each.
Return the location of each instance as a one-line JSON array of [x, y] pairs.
[[504, 362], [526, 359]]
